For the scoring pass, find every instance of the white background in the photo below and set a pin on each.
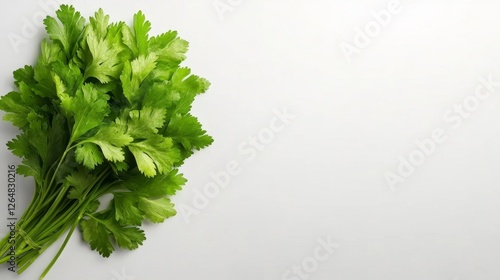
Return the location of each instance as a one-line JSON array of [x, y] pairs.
[[322, 176]]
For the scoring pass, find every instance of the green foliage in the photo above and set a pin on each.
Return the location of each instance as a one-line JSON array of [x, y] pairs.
[[105, 110]]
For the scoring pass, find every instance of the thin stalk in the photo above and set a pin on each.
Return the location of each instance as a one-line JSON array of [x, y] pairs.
[[61, 193], [60, 250], [4, 244], [77, 221], [66, 217]]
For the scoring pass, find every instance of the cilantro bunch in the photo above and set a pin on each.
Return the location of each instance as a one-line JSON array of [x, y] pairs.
[[105, 110]]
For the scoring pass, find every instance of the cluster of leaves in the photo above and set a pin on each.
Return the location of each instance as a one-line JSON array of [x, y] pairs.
[[105, 110]]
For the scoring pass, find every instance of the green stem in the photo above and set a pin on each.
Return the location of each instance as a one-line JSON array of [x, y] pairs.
[[60, 249], [69, 215], [91, 196], [61, 193], [25, 260], [39, 198], [4, 260], [7, 258], [4, 244]]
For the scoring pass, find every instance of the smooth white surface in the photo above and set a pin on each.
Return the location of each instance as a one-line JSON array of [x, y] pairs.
[[323, 174]]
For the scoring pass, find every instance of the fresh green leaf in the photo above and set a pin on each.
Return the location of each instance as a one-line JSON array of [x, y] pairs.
[[89, 107], [126, 208], [141, 30], [134, 74], [79, 181], [187, 131], [98, 231], [99, 23], [154, 187], [68, 32], [89, 155], [155, 155], [17, 111], [157, 210], [105, 63], [143, 123], [111, 139]]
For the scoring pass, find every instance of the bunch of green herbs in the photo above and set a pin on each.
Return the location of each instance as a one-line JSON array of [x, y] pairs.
[[104, 111]]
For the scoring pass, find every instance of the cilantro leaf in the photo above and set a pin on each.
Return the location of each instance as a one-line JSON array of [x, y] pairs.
[[104, 63], [38, 127], [17, 112], [70, 73], [26, 75], [99, 23], [157, 210], [31, 164], [146, 198], [97, 235], [143, 123], [155, 155], [101, 229], [185, 83], [126, 209], [39, 145], [129, 40], [141, 30], [79, 181], [68, 33], [50, 53], [131, 209], [156, 94], [88, 107], [170, 49], [89, 155], [153, 187], [111, 139], [187, 131], [134, 74]]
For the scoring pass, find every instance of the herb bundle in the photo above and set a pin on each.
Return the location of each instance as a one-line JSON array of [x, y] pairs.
[[105, 110]]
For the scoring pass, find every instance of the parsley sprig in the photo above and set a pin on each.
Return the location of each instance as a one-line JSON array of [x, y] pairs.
[[105, 110]]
